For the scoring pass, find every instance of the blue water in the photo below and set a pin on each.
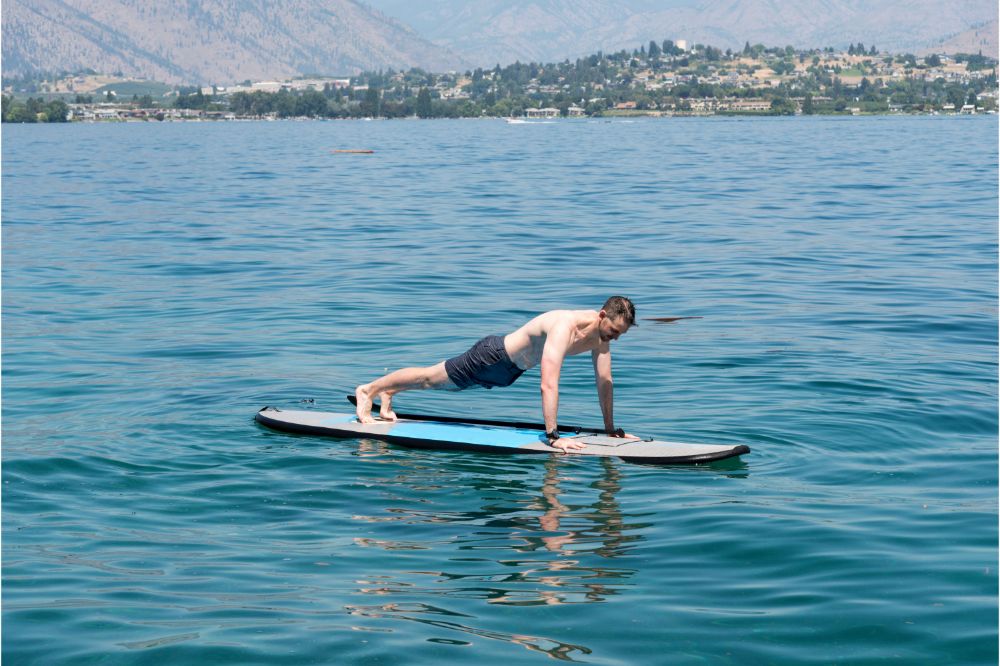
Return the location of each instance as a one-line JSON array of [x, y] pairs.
[[162, 282]]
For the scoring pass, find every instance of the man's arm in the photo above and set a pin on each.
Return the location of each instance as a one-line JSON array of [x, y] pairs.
[[553, 354], [605, 386], [556, 343]]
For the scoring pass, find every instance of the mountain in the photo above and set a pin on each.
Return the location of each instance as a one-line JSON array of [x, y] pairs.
[[227, 41], [211, 41], [980, 37], [502, 31], [499, 31]]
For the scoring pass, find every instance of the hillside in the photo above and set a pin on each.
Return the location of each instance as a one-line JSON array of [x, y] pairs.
[[978, 38], [489, 31], [212, 41]]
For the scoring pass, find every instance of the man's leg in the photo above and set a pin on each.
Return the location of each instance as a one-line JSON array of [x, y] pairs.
[[407, 379]]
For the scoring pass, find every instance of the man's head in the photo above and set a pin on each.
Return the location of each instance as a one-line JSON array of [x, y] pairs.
[[617, 316]]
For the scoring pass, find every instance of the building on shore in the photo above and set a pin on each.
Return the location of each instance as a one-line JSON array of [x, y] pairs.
[[542, 113]]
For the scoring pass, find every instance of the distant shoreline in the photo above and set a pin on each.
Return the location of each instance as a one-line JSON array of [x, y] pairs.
[[669, 80], [609, 117]]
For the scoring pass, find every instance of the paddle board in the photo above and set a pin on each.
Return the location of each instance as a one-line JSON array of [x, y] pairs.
[[450, 433]]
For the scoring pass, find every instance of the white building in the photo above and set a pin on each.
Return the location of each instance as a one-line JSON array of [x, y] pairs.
[[542, 113]]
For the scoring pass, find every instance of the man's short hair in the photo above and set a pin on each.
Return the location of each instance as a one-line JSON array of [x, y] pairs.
[[619, 307]]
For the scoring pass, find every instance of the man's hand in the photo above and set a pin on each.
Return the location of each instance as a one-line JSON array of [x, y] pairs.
[[565, 444]]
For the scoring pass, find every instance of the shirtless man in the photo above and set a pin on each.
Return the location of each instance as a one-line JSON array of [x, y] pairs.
[[499, 361]]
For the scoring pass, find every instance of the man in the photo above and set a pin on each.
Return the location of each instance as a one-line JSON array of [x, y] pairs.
[[499, 361]]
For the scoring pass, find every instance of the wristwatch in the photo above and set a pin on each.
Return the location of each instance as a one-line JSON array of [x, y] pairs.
[[552, 435]]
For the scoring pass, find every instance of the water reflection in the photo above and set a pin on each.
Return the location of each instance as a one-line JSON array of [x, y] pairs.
[[431, 615], [605, 518], [542, 535]]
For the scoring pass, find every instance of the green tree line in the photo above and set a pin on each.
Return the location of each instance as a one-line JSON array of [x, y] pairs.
[[34, 110]]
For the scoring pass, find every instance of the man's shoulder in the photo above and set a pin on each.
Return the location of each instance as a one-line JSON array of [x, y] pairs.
[[558, 318], [568, 315]]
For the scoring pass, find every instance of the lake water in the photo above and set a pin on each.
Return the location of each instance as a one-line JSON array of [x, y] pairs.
[[162, 282]]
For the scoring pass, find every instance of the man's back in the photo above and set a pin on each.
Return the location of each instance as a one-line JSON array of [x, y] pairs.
[[577, 329]]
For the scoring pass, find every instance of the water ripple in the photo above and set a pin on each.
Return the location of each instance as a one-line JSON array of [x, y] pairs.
[[846, 279]]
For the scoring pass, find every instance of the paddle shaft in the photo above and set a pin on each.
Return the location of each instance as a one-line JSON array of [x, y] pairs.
[[509, 424]]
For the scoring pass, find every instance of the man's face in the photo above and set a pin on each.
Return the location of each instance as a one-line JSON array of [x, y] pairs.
[[612, 328]]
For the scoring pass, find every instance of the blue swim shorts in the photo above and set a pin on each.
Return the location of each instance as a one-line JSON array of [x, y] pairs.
[[486, 364]]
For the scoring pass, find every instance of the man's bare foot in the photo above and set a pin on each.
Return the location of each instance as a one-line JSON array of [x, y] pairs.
[[385, 407], [364, 408]]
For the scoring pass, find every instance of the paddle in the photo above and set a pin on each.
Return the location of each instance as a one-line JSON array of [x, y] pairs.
[[668, 320], [461, 419]]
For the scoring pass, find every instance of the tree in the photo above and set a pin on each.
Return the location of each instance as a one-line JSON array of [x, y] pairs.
[[956, 96], [283, 104], [807, 105], [782, 106], [974, 63], [783, 67], [424, 109], [34, 106], [654, 50], [311, 104], [195, 100], [18, 113], [56, 111], [370, 107]]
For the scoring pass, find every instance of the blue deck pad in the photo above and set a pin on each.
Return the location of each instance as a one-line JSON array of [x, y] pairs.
[[510, 438], [467, 434]]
